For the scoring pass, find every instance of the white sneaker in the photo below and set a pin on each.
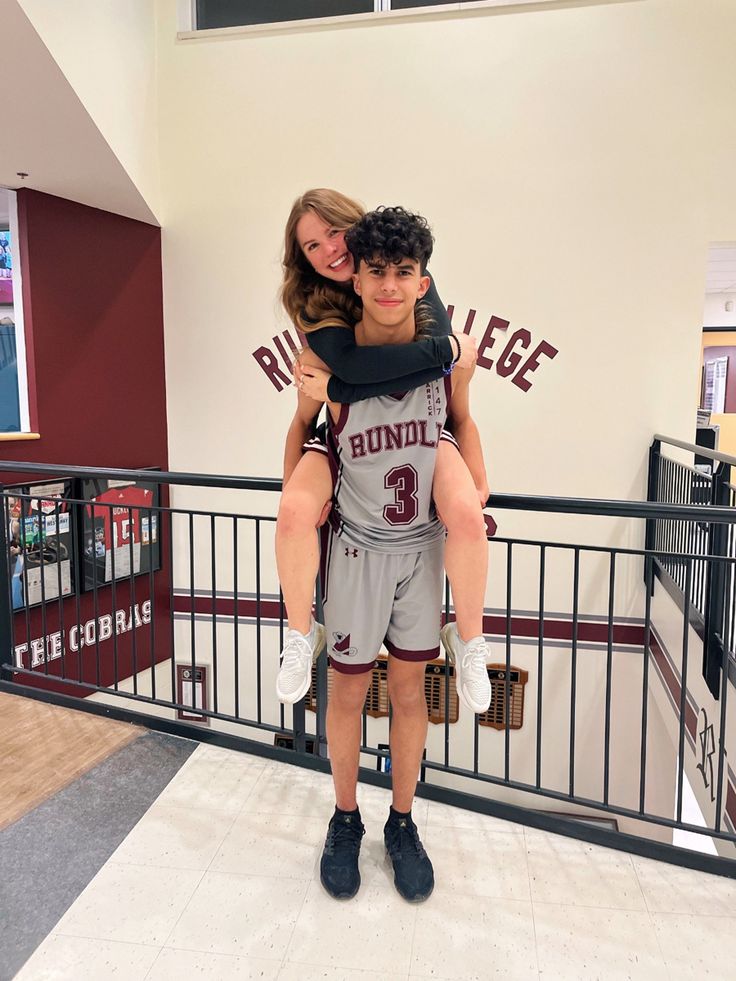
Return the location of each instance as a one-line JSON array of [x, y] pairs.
[[470, 659], [295, 673]]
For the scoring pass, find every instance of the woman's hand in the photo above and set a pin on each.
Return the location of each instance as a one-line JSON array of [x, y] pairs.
[[311, 381], [468, 350], [484, 492]]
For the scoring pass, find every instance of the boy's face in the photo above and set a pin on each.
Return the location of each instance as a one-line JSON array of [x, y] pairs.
[[390, 292]]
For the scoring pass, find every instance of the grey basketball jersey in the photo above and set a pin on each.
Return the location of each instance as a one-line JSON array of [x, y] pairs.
[[382, 452]]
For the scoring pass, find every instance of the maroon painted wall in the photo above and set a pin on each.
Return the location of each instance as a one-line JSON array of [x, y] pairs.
[[93, 305], [93, 310]]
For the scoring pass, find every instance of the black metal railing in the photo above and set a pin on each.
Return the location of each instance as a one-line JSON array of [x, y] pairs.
[[711, 587], [160, 602]]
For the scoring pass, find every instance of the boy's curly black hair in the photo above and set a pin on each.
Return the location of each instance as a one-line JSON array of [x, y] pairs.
[[388, 235]]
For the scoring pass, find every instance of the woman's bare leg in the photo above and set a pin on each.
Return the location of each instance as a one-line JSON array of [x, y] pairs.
[[466, 550], [297, 548]]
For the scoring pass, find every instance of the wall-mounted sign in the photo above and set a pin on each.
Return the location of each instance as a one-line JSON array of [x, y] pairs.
[[121, 530]]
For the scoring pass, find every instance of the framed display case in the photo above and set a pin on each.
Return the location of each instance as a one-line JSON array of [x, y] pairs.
[[120, 530], [40, 535]]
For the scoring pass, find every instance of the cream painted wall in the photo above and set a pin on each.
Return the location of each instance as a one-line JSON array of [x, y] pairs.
[[107, 51], [574, 161]]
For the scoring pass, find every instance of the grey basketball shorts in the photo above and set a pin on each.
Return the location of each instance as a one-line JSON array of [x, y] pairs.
[[371, 598]]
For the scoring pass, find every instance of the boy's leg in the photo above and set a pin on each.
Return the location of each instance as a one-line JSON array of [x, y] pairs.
[[358, 593], [297, 548], [339, 871], [466, 549], [408, 728], [413, 872], [358, 589], [412, 641], [344, 712]]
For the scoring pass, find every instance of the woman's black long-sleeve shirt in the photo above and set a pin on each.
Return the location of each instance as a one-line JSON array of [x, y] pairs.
[[362, 372]]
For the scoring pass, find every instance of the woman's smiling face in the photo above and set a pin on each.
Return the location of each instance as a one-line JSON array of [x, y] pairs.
[[324, 248]]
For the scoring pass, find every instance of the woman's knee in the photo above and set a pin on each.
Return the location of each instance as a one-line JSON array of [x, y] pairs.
[[299, 510], [463, 516]]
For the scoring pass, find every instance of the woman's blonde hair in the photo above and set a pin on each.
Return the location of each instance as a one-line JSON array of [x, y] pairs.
[[311, 300]]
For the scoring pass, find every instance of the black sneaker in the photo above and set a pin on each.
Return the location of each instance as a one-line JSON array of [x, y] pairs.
[[413, 872], [338, 869]]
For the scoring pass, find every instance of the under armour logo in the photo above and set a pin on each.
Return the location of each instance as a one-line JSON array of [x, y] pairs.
[[353, 551]]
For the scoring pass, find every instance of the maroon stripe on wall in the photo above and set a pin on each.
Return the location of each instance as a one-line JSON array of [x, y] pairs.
[[673, 684], [731, 802], [493, 625], [226, 606], [590, 631]]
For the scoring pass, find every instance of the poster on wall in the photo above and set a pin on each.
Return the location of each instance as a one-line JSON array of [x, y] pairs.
[[40, 542], [714, 394], [120, 530], [6, 269]]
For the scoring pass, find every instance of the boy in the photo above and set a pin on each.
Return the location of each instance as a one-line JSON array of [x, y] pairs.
[[383, 560]]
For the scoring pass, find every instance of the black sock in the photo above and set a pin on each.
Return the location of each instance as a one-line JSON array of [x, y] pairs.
[[355, 813], [395, 815]]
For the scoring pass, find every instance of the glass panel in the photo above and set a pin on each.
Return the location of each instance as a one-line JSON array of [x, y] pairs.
[[9, 396], [238, 13]]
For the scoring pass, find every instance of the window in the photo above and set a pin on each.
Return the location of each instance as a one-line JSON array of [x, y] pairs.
[[203, 15], [238, 13], [13, 384]]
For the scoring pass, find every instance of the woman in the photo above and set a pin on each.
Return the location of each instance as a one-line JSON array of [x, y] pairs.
[[317, 294]]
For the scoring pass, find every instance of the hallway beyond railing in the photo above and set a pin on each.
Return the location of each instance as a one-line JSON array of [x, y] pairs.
[[116, 601], [711, 589]]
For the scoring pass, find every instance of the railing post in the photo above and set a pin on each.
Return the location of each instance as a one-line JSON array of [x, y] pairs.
[[650, 534], [320, 745], [715, 589], [6, 625]]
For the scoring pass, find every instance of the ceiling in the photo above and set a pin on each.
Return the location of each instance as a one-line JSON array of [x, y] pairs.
[[721, 271], [48, 134]]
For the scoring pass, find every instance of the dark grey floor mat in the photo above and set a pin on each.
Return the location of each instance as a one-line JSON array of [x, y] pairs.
[[49, 855]]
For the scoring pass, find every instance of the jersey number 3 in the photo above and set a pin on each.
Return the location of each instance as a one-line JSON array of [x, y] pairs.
[[403, 481]]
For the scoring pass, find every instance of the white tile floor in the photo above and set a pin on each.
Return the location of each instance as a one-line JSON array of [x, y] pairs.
[[219, 880]]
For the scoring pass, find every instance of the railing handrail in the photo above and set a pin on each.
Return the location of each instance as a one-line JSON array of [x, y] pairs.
[[623, 509], [517, 502], [694, 448], [228, 481]]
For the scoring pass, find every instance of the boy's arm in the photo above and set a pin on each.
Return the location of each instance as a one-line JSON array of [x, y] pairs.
[[466, 432], [355, 364], [320, 384]]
